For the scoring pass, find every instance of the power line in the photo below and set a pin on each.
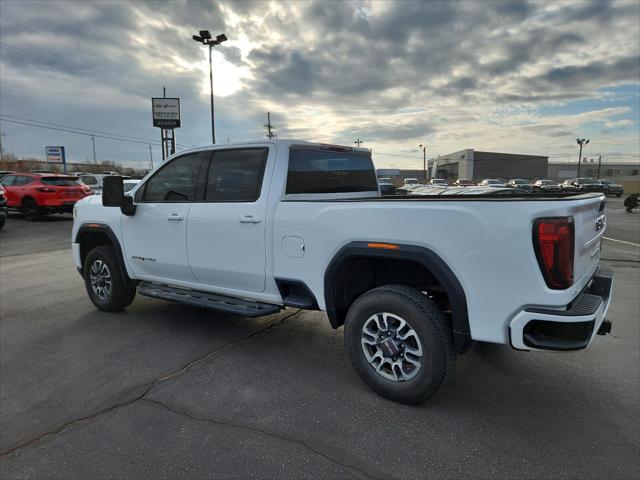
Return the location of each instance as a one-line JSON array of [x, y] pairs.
[[81, 131], [143, 142]]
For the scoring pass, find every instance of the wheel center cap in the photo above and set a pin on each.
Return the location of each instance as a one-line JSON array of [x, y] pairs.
[[389, 347]]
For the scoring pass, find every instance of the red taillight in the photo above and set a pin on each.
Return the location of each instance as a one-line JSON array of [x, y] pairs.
[[553, 240], [46, 190]]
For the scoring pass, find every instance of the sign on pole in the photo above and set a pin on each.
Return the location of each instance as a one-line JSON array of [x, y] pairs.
[[166, 112], [56, 155]]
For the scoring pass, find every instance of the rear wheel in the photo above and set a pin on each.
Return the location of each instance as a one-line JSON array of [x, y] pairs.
[[400, 343], [104, 281], [30, 209]]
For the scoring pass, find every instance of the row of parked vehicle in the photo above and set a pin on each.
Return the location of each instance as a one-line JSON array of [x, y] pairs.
[[40, 192], [573, 185]]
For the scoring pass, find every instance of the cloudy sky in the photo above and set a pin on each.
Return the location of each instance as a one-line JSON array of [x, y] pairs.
[[521, 77]]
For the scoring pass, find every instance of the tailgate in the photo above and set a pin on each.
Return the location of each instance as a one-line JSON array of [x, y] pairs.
[[589, 222]]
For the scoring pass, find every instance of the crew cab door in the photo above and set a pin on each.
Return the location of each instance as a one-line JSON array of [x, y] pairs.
[[226, 229], [155, 237]]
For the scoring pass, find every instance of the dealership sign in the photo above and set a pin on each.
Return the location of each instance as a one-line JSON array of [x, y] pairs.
[[55, 154], [166, 112]]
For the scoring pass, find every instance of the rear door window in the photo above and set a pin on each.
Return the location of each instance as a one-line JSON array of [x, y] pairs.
[[325, 171], [236, 175], [23, 180], [89, 180]]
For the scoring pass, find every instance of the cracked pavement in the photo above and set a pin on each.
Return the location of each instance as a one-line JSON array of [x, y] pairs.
[[166, 391]]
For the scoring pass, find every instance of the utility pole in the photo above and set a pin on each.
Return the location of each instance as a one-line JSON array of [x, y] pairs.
[[1, 150], [93, 141], [582, 142], [599, 163], [424, 160], [358, 142], [269, 127], [151, 156]]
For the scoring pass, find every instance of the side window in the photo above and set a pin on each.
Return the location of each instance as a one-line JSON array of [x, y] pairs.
[[174, 182], [22, 180], [236, 175], [317, 171], [9, 181], [89, 180]]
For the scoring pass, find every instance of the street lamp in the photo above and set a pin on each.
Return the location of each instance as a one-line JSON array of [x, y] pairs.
[[424, 160], [205, 39], [582, 142]]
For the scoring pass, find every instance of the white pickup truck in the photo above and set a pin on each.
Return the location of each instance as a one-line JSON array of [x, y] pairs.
[[415, 280]]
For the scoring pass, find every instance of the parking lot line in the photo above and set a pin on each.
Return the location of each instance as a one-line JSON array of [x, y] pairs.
[[622, 241]]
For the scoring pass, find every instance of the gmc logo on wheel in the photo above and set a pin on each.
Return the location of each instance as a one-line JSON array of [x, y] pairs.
[[600, 223]]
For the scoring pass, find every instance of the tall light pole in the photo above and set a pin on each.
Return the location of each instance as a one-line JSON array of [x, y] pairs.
[[582, 142], [424, 160], [205, 39], [358, 142]]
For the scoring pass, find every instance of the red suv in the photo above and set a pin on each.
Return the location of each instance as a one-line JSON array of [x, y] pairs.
[[39, 194]]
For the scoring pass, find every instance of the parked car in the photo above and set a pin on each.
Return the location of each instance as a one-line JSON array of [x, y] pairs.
[[386, 186], [4, 211], [464, 183], [520, 184], [410, 181], [546, 186], [438, 181], [611, 187], [94, 180], [582, 185], [292, 223], [492, 182], [37, 194]]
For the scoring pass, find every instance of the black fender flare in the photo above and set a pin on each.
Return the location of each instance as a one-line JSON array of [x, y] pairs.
[[103, 229], [421, 255]]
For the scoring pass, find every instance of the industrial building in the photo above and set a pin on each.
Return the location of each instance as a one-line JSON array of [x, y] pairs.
[[470, 164]]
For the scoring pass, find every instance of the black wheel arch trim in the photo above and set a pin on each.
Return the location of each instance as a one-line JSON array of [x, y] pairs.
[[421, 255], [91, 228]]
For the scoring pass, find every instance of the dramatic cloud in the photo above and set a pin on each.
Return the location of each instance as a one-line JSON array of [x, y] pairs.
[[513, 76]]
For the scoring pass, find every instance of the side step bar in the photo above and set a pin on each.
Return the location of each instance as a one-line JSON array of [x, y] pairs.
[[213, 301]]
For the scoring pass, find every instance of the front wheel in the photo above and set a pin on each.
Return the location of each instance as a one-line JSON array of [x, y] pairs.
[[400, 343], [104, 281]]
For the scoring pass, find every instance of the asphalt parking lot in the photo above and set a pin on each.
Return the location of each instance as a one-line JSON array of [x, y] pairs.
[[167, 391]]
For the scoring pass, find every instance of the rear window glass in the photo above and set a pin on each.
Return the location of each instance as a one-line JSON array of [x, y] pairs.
[[316, 171], [60, 181]]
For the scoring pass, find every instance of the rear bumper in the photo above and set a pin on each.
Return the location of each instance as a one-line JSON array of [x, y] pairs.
[[571, 328]]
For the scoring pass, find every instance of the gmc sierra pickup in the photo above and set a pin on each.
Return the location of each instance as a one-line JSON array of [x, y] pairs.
[[415, 280]]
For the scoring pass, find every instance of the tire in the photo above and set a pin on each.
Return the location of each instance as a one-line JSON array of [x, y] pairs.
[[104, 281], [30, 209], [430, 328]]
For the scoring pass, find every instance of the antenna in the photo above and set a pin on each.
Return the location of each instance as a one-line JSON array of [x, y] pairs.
[[269, 127]]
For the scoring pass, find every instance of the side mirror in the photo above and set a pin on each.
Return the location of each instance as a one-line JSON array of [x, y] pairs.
[[113, 195]]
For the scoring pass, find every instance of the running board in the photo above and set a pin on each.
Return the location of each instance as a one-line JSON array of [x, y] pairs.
[[196, 298]]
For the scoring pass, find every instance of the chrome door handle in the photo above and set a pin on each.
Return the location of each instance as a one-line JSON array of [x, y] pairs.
[[249, 219], [175, 217]]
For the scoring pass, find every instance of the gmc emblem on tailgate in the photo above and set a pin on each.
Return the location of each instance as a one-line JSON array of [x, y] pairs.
[[600, 223]]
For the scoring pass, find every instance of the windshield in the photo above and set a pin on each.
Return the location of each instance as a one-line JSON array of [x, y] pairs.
[[587, 181], [410, 181], [60, 181], [492, 182], [518, 181], [128, 186]]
